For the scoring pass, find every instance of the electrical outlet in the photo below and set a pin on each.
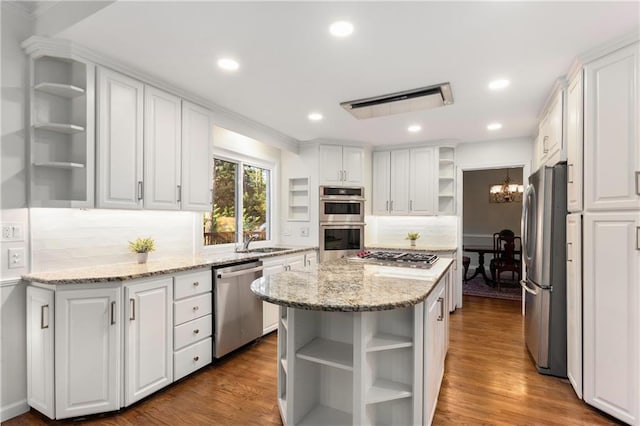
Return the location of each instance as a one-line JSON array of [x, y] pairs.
[[7, 232], [16, 258]]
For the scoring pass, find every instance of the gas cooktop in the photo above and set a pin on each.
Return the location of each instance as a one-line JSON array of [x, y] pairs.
[[394, 258]]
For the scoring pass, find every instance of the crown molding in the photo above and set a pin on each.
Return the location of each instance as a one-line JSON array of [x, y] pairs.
[[38, 46], [18, 7]]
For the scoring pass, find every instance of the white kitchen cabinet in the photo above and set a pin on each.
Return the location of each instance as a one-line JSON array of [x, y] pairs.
[[87, 351], [197, 158], [341, 165], [446, 172], [381, 182], [40, 346], [574, 302], [611, 148], [162, 150], [148, 337], [120, 103], [574, 144], [435, 338], [274, 265], [612, 313], [422, 181], [552, 141], [400, 182]]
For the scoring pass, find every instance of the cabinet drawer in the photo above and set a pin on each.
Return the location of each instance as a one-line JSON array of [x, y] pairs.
[[191, 308], [191, 284], [191, 358], [192, 331]]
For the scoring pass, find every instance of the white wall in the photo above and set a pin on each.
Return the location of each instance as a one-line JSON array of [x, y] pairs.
[[16, 26]]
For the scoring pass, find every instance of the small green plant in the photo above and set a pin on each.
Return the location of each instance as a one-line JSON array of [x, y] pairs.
[[413, 236], [142, 245]]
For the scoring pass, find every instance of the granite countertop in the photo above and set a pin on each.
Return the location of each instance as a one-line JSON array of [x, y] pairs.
[[131, 271], [407, 247], [340, 285]]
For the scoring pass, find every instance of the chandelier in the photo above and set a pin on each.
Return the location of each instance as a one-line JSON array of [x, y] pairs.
[[506, 192]]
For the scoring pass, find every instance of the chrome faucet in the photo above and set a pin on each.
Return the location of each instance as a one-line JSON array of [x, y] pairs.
[[247, 241]]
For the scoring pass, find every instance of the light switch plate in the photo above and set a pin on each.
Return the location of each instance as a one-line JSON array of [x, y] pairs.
[[13, 231], [16, 258]]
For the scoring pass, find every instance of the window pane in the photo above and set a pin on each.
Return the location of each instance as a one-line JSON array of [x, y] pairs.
[[255, 199], [220, 224]]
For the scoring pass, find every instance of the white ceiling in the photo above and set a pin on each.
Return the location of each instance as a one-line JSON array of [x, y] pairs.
[[290, 65]]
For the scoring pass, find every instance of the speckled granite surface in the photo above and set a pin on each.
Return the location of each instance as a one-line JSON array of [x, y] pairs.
[[407, 247], [131, 271], [340, 285]]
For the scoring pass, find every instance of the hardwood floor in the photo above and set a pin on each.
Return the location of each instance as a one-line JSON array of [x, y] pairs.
[[489, 379]]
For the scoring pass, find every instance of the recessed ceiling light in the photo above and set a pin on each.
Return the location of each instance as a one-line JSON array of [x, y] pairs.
[[494, 126], [228, 64], [414, 128], [341, 29], [499, 84], [315, 116]]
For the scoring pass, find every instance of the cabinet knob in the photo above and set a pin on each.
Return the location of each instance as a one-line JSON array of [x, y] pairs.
[[195, 308], [196, 358], [196, 331], [196, 284]]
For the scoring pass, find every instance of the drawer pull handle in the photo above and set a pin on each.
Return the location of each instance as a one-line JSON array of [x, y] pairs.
[[196, 358], [196, 331], [113, 312], [42, 316], [196, 284], [195, 308]]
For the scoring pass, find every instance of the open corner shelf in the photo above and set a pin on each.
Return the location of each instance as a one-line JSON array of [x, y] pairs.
[[59, 165], [283, 362], [323, 415], [386, 390], [68, 129], [328, 352], [62, 90], [298, 206], [383, 342]]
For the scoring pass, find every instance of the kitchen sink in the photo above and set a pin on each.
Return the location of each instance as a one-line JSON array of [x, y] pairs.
[[267, 249]]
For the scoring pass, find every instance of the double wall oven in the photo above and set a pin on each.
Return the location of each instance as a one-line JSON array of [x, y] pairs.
[[341, 221]]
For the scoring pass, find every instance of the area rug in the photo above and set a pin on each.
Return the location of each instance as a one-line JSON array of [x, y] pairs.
[[477, 287]]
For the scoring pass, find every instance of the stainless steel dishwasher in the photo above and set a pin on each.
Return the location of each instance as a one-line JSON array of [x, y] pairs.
[[238, 312]]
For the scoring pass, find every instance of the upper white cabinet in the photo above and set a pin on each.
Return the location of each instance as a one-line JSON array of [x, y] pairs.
[[612, 314], [611, 146], [87, 351], [422, 181], [120, 103], [574, 144], [148, 338], [550, 146], [197, 158], [162, 149], [62, 140], [406, 182], [341, 165]]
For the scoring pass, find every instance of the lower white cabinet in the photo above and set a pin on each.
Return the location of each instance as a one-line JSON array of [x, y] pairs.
[[611, 273], [40, 345], [273, 265], [574, 302], [94, 348], [88, 341], [436, 318], [148, 336]]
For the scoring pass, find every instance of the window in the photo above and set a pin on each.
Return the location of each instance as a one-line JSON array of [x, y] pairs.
[[238, 187]]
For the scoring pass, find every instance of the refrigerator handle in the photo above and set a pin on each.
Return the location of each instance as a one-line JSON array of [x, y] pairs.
[[524, 285], [527, 235]]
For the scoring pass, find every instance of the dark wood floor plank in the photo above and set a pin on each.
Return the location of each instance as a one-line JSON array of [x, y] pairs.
[[489, 379]]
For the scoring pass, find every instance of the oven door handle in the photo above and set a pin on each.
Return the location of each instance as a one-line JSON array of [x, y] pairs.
[[342, 199], [342, 225]]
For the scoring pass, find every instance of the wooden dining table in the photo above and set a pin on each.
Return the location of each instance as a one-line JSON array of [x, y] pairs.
[[482, 250]]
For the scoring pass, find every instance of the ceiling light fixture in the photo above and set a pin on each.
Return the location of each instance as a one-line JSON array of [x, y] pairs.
[[414, 128], [228, 64], [494, 126], [499, 84], [315, 116], [341, 29], [506, 192]]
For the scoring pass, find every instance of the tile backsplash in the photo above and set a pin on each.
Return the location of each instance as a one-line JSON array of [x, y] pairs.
[[435, 231], [72, 238]]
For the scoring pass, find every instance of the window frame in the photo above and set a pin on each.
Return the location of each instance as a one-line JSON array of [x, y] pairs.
[[241, 161]]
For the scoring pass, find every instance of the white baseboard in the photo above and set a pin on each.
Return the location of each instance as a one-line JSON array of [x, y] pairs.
[[12, 410], [269, 329]]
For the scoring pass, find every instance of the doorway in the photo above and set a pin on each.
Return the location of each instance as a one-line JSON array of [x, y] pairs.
[[483, 215]]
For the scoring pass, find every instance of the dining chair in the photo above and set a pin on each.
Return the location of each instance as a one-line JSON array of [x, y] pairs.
[[507, 257]]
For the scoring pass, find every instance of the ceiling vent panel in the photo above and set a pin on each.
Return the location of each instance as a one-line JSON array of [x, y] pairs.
[[401, 102]]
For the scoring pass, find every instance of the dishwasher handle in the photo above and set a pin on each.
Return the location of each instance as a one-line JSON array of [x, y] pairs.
[[224, 275]]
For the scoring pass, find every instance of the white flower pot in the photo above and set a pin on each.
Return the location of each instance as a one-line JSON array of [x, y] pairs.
[[413, 243], [142, 257]]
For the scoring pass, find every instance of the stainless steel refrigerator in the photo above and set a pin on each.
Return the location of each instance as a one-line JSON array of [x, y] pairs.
[[544, 212]]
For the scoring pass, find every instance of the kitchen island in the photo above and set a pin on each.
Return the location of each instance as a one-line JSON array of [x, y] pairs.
[[359, 343]]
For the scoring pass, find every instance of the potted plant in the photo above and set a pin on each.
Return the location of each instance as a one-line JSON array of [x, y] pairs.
[[412, 237], [142, 246]]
